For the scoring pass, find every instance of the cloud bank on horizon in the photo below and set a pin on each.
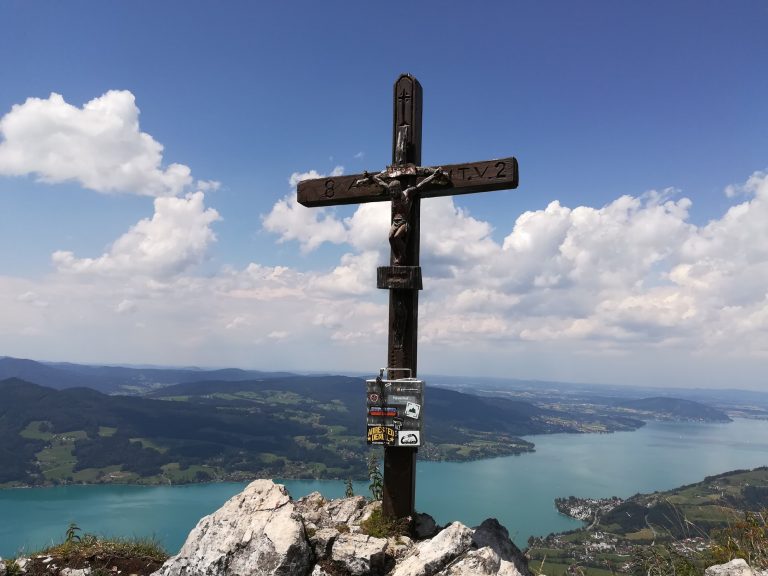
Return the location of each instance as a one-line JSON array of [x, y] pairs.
[[632, 279]]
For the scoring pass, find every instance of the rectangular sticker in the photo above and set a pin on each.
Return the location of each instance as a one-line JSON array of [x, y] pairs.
[[395, 399], [412, 410], [382, 411], [381, 435], [408, 438]]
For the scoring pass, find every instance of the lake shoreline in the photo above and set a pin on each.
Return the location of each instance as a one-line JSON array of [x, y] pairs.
[[519, 492], [239, 478]]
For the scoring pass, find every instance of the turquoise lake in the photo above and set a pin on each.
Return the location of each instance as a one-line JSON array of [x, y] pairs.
[[518, 490]]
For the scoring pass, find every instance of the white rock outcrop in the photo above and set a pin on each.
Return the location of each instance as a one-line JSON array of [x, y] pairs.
[[736, 567], [431, 556], [482, 562], [75, 572], [262, 532], [255, 533], [493, 535], [360, 555]]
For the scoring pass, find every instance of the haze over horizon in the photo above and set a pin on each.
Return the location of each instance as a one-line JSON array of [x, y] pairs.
[[149, 158]]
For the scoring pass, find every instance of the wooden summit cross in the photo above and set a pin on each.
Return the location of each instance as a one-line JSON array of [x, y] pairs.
[[404, 183]]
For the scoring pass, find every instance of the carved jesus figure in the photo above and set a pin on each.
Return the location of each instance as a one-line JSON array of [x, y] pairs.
[[402, 201]]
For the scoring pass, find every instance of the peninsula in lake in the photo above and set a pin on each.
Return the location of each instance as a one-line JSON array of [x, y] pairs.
[[622, 535]]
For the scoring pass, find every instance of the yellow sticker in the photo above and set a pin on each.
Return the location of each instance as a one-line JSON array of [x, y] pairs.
[[381, 435]]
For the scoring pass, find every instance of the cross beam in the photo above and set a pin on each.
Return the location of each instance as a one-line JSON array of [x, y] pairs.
[[405, 182], [483, 176]]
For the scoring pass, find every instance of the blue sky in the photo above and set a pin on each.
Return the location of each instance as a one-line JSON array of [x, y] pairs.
[[149, 154]]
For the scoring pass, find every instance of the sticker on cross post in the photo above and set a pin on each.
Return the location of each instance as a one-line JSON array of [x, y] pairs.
[[382, 411], [408, 438], [395, 399], [384, 435], [412, 410]]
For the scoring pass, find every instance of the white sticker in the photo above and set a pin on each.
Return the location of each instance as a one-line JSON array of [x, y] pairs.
[[412, 410], [408, 438]]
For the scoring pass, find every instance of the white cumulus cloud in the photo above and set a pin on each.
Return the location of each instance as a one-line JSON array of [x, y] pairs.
[[173, 240], [615, 292], [291, 221], [99, 146]]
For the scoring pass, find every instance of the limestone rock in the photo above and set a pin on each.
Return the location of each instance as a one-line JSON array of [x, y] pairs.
[[262, 532], [492, 534], [429, 557], [319, 571], [21, 563], [360, 555], [346, 510], [399, 546], [311, 508], [482, 562], [424, 526], [737, 567], [2, 567], [255, 533], [322, 541], [321, 513], [75, 572]]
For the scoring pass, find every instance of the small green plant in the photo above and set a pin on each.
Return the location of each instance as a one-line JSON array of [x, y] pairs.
[[349, 491], [746, 538], [575, 569], [12, 569], [374, 475], [379, 526], [72, 533], [663, 561]]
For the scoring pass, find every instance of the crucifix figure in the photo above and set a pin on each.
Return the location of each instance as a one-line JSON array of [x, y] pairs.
[[404, 183], [402, 201]]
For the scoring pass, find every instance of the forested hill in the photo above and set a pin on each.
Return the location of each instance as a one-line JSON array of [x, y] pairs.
[[289, 427], [80, 434], [233, 424], [447, 408]]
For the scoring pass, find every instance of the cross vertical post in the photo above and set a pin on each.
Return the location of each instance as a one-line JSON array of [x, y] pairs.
[[399, 496]]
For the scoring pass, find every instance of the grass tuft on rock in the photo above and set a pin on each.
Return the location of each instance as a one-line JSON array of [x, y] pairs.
[[139, 556], [745, 538], [90, 546], [379, 526]]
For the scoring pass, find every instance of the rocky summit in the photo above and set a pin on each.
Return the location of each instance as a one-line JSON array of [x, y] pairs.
[[263, 531]]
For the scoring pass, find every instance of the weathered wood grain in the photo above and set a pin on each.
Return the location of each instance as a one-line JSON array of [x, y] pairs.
[[466, 178]]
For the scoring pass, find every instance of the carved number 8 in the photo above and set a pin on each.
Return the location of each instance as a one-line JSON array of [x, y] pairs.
[[329, 191]]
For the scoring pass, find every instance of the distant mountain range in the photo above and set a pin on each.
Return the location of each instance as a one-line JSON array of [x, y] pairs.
[[117, 379]]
